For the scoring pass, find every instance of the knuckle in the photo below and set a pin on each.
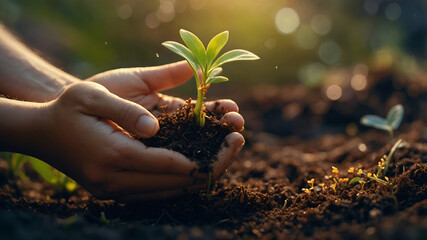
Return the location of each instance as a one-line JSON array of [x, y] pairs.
[[84, 94]]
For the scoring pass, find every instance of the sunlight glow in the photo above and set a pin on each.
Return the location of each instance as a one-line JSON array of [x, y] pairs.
[[287, 20], [197, 4]]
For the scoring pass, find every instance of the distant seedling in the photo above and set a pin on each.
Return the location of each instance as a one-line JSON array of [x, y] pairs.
[[53, 176], [389, 124]]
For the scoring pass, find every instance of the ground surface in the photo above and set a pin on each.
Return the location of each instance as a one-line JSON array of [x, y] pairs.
[[292, 136]]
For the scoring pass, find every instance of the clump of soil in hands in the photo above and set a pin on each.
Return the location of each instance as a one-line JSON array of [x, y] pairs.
[[179, 132]]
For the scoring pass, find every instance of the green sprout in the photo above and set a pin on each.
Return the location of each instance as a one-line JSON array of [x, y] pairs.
[[53, 176], [203, 58], [392, 121], [15, 162]]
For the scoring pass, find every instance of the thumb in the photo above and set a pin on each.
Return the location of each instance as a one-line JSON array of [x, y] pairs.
[[96, 100]]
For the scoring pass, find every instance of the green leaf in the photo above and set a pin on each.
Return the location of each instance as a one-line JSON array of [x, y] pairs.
[[44, 169], [215, 72], [375, 121], [215, 46], [395, 116], [234, 55], [182, 51], [354, 181], [217, 79], [195, 46]]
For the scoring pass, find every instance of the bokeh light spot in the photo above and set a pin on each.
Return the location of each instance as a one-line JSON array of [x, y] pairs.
[[334, 92], [124, 11], [152, 21], [270, 43], [166, 11], [361, 69], [358, 82], [287, 20], [393, 11], [306, 38], [329, 52], [371, 6], [362, 147], [312, 75], [321, 24]]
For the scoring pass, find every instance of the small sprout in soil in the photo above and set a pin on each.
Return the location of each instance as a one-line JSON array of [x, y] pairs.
[[284, 204], [203, 58], [61, 182], [390, 123], [382, 166], [333, 186]]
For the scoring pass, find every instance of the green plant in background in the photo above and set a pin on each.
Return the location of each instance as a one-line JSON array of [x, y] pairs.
[[391, 123], [15, 162], [53, 176], [203, 58]]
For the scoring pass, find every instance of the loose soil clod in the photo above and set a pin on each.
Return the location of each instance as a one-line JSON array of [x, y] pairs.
[[179, 133]]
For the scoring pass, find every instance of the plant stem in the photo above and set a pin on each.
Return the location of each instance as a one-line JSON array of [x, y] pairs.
[[199, 116], [390, 155], [390, 131]]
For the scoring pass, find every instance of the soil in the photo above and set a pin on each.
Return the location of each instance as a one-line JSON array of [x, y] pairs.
[[178, 132], [292, 135]]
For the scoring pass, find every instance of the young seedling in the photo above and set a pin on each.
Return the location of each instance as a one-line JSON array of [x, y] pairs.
[[199, 57], [15, 162], [392, 121], [53, 176]]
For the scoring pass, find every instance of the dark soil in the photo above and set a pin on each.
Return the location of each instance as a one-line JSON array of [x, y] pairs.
[[288, 142], [178, 132]]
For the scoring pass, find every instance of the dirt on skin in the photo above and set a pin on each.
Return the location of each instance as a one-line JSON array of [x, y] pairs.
[[261, 195]]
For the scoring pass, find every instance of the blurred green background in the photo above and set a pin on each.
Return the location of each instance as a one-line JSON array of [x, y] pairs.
[[299, 41]]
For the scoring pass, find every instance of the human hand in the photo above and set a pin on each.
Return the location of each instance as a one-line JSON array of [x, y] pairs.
[[81, 137], [141, 85]]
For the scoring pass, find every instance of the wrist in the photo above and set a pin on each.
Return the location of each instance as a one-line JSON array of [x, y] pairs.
[[21, 131]]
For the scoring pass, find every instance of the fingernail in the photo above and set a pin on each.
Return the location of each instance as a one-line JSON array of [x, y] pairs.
[[239, 145], [147, 126]]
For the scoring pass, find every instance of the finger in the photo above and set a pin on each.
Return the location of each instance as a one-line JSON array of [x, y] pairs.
[[172, 103], [230, 148], [137, 157], [166, 194], [222, 106], [135, 182], [234, 120], [166, 76], [96, 100]]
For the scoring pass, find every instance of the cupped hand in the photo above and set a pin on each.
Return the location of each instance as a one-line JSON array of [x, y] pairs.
[[142, 86], [85, 135]]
